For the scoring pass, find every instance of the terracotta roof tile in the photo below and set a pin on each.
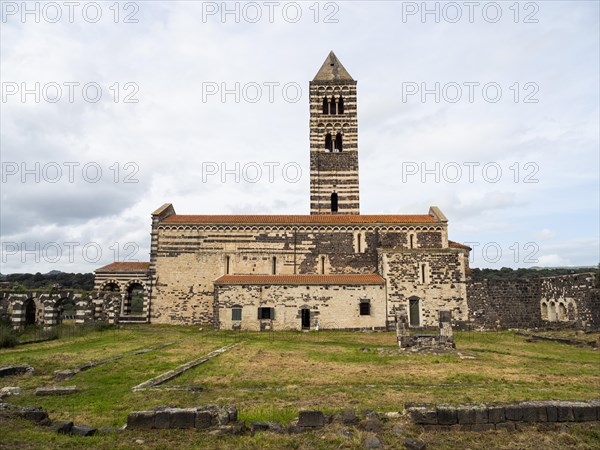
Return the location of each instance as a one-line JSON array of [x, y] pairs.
[[300, 219], [457, 245], [125, 267], [302, 279]]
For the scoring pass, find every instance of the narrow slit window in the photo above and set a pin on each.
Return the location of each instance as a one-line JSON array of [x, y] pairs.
[[423, 273], [334, 202], [358, 242], [227, 265], [341, 105], [274, 268], [325, 106], [411, 239], [332, 105], [322, 265]]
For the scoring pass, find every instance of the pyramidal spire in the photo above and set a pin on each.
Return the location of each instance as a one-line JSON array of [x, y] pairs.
[[332, 70]]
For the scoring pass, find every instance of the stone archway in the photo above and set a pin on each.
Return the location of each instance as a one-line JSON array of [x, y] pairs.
[[133, 302], [29, 312]]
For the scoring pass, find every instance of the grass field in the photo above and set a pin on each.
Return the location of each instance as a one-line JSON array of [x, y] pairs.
[[270, 376]]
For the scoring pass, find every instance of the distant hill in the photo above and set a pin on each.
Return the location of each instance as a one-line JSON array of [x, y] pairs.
[[52, 279]]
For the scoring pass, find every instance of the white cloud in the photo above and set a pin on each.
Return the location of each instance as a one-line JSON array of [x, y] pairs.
[[170, 132]]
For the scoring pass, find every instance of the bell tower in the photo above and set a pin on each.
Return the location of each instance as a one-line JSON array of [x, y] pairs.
[[333, 141]]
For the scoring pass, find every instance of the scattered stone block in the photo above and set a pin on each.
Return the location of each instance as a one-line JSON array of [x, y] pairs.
[[61, 375], [465, 416], [424, 416], [203, 420], [552, 413], [564, 412], [162, 419], [141, 419], [583, 412], [61, 427], [275, 427], [513, 413], [373, 425], [8, 390], [496, 414], [311, 419], [8, 371], [83, 430], [57, 390], [259, 426], [414, 444], [372, 442], [447, 415], [183, 418], [349, 417]]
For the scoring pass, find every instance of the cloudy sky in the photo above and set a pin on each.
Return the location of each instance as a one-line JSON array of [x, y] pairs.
[[490, 112]]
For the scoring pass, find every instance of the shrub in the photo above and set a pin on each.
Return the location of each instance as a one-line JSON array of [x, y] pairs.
[[102, 326], [8, 336]]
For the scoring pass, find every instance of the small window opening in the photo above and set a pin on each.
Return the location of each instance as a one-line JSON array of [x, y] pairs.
[[328, 142], [322, 265], [334, 202], [411, 238], [274, 268], [365, 308], [227, 260], [236, 313], [332, 106], [341, 106], [325, 106], [266, 313], [338, 142]]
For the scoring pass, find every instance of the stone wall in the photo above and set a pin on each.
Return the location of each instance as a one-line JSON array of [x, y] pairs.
[[530, 303], [332, 306], [435, 277], [188, 258]]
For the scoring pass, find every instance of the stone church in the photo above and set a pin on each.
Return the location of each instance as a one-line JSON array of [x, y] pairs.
[[333, 268]]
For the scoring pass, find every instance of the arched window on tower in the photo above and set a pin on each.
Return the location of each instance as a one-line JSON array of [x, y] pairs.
[[328, 142], [341, 105], [334, 202], [338, 142], [325, 106], [332, 105]]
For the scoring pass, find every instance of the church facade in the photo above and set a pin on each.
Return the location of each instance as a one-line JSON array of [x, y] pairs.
[[331, 269]]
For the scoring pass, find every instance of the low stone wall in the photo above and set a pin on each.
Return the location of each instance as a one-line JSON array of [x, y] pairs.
[[8, 371], [201, 417], [490, 416]]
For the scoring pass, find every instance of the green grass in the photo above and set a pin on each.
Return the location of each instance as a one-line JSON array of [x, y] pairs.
[[270, 376]]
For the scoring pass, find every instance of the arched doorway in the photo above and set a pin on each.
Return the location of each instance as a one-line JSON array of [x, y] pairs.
[[134, 302], [30, 311]]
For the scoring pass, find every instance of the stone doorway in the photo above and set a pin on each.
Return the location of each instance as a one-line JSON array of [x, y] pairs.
[[413, 307], [30, 312], [305, 313]]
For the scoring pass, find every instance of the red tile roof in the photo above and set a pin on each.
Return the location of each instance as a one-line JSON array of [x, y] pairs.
[[301, 219], [457, 245], [371, 278], [125, 267]]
